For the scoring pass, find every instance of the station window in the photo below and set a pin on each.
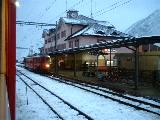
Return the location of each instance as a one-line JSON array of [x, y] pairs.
[[63, 34], [46, 50], [58, 36], [53, 38], [101, 40], [61, 46], [70, 44], [45, 41], [51, 49], [49, 40], [77, 43]]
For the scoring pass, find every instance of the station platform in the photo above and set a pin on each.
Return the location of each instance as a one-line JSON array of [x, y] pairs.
[[121, 86]]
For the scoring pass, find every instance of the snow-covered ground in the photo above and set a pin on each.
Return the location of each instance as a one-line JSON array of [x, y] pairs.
[[31, 107]]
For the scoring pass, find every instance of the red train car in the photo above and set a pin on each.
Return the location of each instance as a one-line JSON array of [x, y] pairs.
[[38, 63]]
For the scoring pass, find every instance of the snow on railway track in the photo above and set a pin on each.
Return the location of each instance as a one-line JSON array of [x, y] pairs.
[[96, 106], [53, 101], [130, 101]]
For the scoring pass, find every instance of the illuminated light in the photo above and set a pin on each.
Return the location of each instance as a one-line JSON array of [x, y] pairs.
[[47, 65], [66, 55], [105, 50], [87, 63], [17, 3]]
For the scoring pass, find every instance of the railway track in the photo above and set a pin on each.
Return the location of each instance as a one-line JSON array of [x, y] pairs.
[[123, 99], [111, 92], [78, 114]]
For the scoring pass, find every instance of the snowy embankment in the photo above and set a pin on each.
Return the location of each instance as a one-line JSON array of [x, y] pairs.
[[95, 106]]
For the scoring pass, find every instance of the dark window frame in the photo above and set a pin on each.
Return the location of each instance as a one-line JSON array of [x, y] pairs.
[[76, 44], [63, 34], [58, 36], [70, 44], [45, 41]]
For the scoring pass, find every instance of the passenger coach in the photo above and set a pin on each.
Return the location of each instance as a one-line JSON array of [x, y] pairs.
[[38, 63]]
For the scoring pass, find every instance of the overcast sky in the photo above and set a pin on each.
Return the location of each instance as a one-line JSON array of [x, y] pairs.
[[120, 13]]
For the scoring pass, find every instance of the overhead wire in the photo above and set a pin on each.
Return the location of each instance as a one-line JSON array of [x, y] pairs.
[[108, 7], [126, 2], [48, 8], [73, 6], [39, 17]]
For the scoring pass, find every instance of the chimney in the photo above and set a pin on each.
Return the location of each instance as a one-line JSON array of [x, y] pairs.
[[72, 13]]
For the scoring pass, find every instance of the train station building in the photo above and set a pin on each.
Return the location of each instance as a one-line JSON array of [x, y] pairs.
[[76, 31], [123, 64]]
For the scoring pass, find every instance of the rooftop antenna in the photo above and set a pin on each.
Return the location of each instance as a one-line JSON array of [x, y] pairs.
[[91, 9]]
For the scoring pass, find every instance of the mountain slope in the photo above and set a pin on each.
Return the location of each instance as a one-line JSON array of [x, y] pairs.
[[148, 26]]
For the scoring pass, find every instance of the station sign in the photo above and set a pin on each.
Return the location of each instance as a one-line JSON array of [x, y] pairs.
[[108, 51]]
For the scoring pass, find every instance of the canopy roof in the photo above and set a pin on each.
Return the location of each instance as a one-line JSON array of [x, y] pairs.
[[124, 42]]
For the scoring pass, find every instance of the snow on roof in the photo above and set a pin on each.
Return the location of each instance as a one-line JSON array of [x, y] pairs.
[[74, 21], [72, 10], [94, 27], [81, 19], [105, 23], [100, 30]]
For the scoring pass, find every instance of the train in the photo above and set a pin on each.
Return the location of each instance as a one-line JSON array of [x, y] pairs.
[[39, 63]]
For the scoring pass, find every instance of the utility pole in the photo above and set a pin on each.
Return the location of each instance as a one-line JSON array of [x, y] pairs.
[[66, 5], [56, 59], [110, 65], [91, 9]]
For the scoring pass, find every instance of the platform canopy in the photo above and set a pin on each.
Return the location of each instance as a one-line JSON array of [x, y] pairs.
[[121, 42]]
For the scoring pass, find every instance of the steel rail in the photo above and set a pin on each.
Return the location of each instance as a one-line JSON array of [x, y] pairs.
[[108, 97], [71, 106], [42, 99], [119, 95], [114, 93]]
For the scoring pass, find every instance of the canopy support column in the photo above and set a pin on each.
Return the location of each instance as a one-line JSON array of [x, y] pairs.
[[110, 75], [56, 65], [136, 67], [74, 64], [97, 64]]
